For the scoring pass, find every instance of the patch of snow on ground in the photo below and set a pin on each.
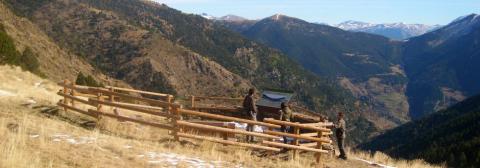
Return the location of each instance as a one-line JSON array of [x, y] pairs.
[[243, 126], [34, 136], [73, 140], [173, 160], [31, 101], [374, 164], [4, 93], [37, 84]]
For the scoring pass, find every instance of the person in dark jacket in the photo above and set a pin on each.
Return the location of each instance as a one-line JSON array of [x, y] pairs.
[[285, 115], [340, 131], [250, 109]]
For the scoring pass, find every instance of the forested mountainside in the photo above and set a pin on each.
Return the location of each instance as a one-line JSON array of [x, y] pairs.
[[153, 47], [324, 49], [451, 136], [367, 65], [443, 66]]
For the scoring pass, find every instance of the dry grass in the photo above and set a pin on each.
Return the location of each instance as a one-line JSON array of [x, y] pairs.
[[381, 158], [40, 135]]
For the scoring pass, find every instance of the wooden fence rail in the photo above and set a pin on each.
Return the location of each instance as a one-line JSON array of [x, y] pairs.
[[123, 118], [132, 108], [226, 118], [229, 142], [96, 98], [273, 121], [162, 95]]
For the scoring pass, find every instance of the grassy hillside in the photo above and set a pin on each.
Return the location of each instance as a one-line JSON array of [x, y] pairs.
[[451, 136], [35, 133]]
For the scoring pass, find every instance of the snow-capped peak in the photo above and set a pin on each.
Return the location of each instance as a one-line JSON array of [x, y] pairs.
[[353, 25], [232, 18], [207, 16]]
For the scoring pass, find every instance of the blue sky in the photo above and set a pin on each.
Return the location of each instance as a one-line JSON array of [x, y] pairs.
[[336, 11]]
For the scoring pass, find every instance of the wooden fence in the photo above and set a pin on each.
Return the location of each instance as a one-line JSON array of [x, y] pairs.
[[92, 101], [233, 106]]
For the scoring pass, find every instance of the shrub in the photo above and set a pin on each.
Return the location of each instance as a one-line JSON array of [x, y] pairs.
[[87, 81]]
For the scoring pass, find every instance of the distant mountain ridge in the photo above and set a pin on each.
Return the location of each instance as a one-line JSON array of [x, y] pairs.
[[397, 31], [440, 65]]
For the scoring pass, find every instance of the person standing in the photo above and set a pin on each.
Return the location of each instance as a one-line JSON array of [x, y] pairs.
[[250, 109], [285, 115], [340, 132]]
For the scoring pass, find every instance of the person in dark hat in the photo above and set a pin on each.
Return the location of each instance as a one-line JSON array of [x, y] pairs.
[[340, 132], [250, 109], [285, 115]]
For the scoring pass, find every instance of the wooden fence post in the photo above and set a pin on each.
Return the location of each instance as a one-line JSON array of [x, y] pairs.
[[228, 135], [111, 97], [296, 131], [169, 100], [176, 128], [192, 102], [319, 146], [65, 91], [72, 92], [99, 106]]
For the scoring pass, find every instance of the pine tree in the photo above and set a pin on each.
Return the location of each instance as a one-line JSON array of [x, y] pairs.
[[80, 79]]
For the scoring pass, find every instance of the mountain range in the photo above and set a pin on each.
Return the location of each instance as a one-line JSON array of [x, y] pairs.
[[399, 79], [396, 31]]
